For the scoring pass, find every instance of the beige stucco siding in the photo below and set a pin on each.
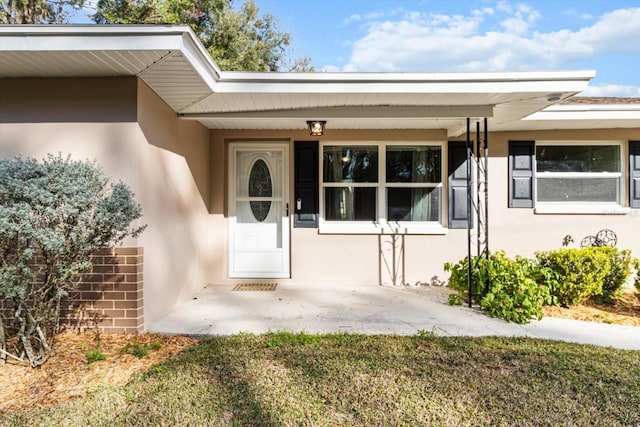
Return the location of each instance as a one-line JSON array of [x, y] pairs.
[[179, 172], [89, 119], [332, 259], [174, 182], [134, 136], [522, 231]]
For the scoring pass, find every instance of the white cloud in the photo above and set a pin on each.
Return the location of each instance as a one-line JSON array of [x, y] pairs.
[[330, 69], [356, 17], [504, 6], [503, 37]]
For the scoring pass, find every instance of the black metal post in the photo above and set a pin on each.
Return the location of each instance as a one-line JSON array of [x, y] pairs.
[[479, 182], [486, 186], [469, 202]]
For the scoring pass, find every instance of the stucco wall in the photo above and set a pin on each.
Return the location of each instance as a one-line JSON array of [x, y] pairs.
[[89, 119], [331, 259], [323, 259], [178, 170], [133, 136], [522, 231], [174, 181]]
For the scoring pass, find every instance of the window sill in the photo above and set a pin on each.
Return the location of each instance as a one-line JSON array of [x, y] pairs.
[[388, 229], [581, 209]]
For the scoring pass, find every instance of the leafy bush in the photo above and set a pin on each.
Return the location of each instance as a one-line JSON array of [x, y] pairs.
[[620, 269], [584, 273], [53, 215], [458, 278], [636, 279], [455, 299], [516, 289], [508, 287], [513, 293]]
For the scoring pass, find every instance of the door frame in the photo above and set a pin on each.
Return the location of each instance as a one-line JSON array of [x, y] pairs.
[[252, 146]]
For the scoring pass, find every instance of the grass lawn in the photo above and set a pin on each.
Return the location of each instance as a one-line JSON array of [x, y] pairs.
[[354, 380]]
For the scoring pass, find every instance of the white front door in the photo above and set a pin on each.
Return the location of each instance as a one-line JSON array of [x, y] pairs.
[[258, 210]]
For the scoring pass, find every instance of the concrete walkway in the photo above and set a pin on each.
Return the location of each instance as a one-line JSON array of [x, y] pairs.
[[217, 310]]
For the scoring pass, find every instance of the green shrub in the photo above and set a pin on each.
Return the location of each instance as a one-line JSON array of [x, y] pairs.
[[636, 279], [508, 287], [578, 274], [54, 215], [620, 269], [458, 277], [513, 293], [455, 299]]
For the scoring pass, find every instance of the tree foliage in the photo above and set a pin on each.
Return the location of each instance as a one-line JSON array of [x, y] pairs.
[[53, 215], [37, 11], [238, 40]]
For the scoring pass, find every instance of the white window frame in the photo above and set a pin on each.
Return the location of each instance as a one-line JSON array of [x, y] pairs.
[[381, 225], [581, 207]]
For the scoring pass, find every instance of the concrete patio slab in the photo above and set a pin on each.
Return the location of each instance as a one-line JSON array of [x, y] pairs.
[[218, 310]]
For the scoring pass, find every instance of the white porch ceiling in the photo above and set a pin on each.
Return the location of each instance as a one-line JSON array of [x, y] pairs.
[[176, 66]]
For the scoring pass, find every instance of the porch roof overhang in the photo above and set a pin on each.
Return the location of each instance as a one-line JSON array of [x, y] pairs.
[[173, 63], [583, 116]]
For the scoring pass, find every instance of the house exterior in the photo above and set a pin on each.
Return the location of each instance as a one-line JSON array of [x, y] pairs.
[[234, 189]]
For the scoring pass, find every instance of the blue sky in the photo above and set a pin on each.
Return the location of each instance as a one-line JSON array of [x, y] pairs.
[[465, 35]]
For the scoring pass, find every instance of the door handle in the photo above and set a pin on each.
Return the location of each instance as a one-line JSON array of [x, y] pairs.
[[287, 210], [299, 204]]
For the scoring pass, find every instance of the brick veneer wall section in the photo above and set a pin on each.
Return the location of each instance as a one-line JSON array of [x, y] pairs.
[[110, 298]]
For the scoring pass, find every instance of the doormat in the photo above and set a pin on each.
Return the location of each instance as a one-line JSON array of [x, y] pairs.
[[255, 287]]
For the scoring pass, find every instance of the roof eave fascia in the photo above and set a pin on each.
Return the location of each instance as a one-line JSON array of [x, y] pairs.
[[354, 112], [57, 38], [564, 82], [587, 112], [244, 76], [200, 59]]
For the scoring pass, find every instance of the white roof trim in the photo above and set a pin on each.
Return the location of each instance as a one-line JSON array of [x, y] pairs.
[[320, 77], [494, 82], [588, 112], [355, 112]]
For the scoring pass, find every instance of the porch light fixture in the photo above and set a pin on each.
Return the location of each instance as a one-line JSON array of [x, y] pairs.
[[316, 127]]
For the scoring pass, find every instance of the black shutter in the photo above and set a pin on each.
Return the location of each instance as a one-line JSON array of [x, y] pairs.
[[305, 203], [521, 182], [634, 174], [458, 185]]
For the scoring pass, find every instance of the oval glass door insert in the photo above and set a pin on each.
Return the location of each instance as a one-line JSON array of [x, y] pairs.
[[260, 185]]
